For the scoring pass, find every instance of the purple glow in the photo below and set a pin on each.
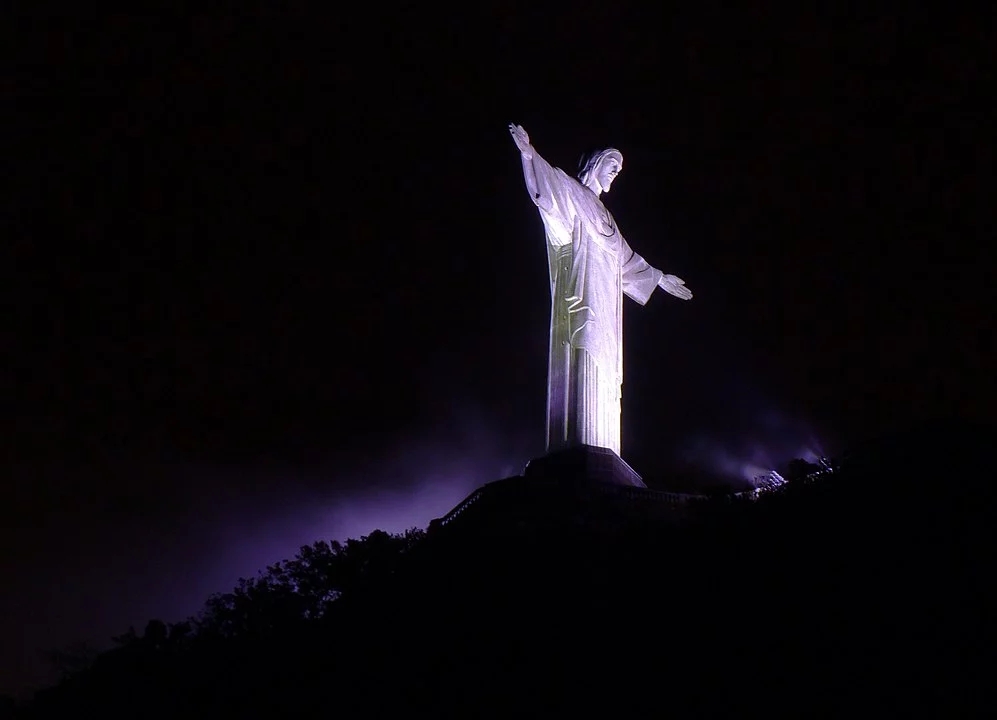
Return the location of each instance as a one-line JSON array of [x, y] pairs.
[[219, 524], [742, 456], [811, 453]]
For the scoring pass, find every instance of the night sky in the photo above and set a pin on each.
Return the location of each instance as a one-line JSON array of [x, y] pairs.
[[273, 276]]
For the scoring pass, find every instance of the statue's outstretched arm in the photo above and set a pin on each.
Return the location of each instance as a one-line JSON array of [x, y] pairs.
[[640, 279], [529, 156]]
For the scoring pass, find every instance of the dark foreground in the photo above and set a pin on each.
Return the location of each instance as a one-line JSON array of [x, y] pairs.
[[864, 590]]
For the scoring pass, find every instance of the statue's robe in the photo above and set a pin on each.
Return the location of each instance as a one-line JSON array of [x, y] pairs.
[[591, 268]]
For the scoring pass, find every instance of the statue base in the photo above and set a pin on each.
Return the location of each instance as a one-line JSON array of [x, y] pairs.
[[586, 463], [584, 485]]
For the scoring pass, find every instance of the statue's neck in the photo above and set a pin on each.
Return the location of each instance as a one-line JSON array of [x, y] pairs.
[[594, 187]]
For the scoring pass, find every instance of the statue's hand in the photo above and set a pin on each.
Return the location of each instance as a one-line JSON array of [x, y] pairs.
[[675, 286], [521, 139]]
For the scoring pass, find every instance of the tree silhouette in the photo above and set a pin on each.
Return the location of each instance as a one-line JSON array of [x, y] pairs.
[[305, 587], [795, 599], [73, 659]]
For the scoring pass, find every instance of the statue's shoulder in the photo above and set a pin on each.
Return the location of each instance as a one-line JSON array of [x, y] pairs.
[[573, 185], [585, 199], [581, 199], [568, 180]]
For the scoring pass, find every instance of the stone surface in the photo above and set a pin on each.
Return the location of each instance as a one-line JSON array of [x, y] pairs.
[[577, 487], [591, 268]]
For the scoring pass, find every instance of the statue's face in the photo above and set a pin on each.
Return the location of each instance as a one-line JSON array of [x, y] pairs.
[[607, 171]]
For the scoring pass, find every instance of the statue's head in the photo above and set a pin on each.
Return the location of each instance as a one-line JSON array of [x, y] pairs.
[[599, 169]]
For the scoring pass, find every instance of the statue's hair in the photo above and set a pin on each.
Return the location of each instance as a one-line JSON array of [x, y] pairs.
[[590, 162]]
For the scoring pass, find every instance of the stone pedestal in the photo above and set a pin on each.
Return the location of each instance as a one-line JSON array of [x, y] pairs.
[[584, 463], [582, 486]]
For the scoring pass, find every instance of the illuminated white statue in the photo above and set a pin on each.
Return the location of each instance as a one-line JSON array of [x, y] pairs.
[[591, 268]]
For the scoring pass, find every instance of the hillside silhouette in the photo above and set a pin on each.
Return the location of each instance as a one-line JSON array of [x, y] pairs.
[[857, 590]]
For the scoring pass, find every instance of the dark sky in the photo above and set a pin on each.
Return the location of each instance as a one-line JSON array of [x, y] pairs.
[[273, 275]]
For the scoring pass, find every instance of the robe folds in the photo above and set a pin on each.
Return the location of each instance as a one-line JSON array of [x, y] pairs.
[[591, 268]]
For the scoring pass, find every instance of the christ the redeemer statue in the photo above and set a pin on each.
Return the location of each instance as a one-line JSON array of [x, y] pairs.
[[591, 268]]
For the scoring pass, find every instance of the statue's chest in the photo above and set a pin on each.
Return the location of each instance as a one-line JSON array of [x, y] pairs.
[[596, 223], [602, 228]]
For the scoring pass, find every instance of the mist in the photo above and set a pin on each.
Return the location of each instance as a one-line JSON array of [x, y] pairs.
[[210, 524], [158, 538], [752, 442]]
